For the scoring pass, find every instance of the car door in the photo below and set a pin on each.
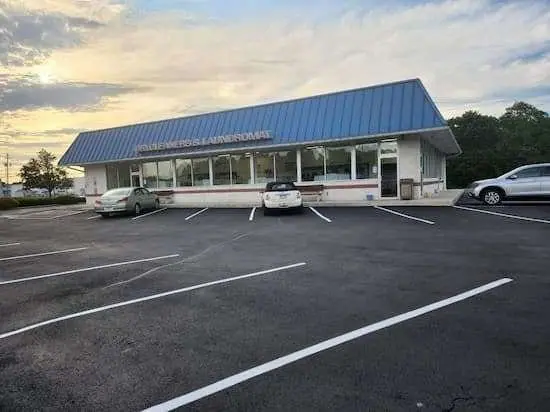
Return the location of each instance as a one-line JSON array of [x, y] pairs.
[[526, 182], [545, 181], [137, 198], [148, 199]]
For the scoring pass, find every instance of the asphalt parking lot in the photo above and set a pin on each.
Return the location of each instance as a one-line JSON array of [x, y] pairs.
[[399, 308]]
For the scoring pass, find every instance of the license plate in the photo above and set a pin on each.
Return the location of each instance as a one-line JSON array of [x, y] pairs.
[[109, 209], [284, 205]]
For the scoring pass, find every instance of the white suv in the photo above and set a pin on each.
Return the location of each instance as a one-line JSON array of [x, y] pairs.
[[281, 195], [525, 181]]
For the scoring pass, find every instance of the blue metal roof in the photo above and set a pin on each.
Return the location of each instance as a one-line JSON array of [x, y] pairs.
[[399, 107]]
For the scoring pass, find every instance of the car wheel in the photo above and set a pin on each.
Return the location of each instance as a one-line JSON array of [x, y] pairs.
[[491, 197], [104, 215], [267, 212], [137, 209], [157, 204]]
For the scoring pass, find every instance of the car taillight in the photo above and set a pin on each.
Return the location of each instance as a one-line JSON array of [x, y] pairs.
[[124, 199], [298, 195], [98, 202]]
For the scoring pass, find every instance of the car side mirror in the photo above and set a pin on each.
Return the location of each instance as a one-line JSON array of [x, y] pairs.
[[513, 177]]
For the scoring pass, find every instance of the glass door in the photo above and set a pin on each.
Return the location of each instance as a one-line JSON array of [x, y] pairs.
[[134, 175], [389, 187]]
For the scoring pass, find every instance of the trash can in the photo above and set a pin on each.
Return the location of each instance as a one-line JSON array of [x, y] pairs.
[[406, 188]]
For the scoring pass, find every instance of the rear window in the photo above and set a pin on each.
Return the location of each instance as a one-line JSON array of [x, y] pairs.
[[117, 192], [280, 187]]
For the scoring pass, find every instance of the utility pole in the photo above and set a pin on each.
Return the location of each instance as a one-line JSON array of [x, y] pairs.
[[7, 164]]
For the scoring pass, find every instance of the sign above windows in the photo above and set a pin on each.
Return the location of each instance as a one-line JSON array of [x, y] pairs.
[[205, 141]]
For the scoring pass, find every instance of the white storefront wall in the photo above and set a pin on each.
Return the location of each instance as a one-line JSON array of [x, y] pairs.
[[242, 195]]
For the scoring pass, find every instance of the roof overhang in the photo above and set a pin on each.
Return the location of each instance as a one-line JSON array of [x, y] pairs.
[[444, 140], [440, 137]]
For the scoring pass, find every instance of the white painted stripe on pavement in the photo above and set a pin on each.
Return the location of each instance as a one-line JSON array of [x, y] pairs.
[[93, 217], [429, 222], [43, 254], [196, 213], [145, 298], [68, 272], [10, 244], [70, 214], [150, 213], [319, 347], [529, 219], [320, 215], [251, 217]]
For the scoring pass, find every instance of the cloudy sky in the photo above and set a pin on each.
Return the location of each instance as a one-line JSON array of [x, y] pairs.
[[72, 65]]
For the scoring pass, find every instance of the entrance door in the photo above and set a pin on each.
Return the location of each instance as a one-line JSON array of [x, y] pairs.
[[135, 181], [388, 177]]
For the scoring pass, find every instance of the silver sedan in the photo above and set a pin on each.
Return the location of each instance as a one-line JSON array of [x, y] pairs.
[[126, 200]]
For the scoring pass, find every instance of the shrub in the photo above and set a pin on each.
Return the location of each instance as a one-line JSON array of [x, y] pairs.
[[69, 200], [8, 203], [34, 201], [42, 201]]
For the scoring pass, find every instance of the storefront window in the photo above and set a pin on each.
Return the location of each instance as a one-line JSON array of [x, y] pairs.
[[313, 164], [165, 177], [222, 174], [367, 161], [240, 169], [150, 175], [285, 165], [112, 177], [184, 174], [338, 163], [201, 172], [124, 175], [263, 167]]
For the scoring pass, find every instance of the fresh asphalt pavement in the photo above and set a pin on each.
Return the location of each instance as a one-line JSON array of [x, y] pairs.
[[488, 352]]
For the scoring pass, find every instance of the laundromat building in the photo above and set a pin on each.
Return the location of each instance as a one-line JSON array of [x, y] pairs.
[[347, 146]]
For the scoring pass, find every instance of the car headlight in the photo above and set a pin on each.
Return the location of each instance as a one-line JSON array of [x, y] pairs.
[[473, 185], [266, 197]]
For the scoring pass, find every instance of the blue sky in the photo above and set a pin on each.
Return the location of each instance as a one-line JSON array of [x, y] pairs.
[[70, 65]]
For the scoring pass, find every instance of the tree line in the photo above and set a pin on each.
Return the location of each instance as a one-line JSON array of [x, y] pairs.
[[494, 145]]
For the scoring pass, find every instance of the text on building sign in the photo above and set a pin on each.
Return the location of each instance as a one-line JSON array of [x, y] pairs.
[[205, 141]]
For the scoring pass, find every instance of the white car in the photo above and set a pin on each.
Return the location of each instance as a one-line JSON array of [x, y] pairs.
[[281, 196], [523, 182]]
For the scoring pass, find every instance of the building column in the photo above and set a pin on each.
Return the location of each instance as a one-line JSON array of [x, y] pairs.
[[252, 171], [174, 180], [298, 165], [211, 171], [354, 164]]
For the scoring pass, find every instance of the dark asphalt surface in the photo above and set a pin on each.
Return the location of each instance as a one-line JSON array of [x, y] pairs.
[[487, 353]]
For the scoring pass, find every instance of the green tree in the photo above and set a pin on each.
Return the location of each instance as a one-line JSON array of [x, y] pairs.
[[492, 146], [42, 173]]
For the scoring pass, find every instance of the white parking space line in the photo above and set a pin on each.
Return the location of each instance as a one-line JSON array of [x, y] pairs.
[[251, 217], [147, 298], [70, 214], [529, 219], [314, 349], [10, 244], [196, 213], [43, 254], [429, 222], [68, 272], [150, 213], [93, 217], [320, 215]]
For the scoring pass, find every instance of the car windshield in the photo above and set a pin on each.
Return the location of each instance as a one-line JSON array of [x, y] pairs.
[[280, 187], [117, 192]]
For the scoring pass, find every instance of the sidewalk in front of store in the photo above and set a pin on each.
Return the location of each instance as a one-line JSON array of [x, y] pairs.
[[443, 198]]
